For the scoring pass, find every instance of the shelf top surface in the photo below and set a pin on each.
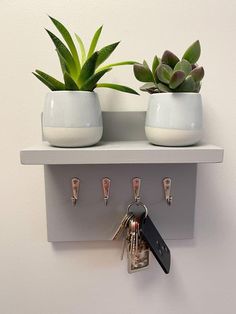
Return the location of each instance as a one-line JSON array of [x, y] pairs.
[[120, 152]]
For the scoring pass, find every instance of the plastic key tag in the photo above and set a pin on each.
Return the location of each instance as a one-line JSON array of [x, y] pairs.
[[157, 245]]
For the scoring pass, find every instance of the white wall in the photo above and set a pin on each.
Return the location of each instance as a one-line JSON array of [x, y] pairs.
[[39, 278]]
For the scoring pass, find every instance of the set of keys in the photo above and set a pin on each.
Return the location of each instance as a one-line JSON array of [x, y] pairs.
[[141, 236]]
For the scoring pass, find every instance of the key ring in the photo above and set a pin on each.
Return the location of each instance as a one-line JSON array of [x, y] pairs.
[[138, 204]]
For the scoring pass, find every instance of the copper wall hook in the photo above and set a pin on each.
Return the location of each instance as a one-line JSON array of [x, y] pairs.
[[106, 185], [136, 184], [75, 185], [167, 190]]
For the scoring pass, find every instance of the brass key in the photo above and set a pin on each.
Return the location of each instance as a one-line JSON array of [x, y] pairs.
[[124, 244], [123, 225]]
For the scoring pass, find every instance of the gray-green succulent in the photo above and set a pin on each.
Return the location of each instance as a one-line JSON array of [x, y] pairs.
[[81, 70], [169, 74]]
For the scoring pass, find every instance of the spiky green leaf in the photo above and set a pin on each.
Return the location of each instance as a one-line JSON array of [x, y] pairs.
[[111, 65], [49, 81], [45, 82], [155, 63], [192, 54], [197, 74], [88, 69], [188, 85], [118, 87], [64, 67], [142, 73], [169, 58], [105, 52], [94, 42], [184, 66], [90, 84], [163, 88], [70, 84], [65, 53], [68, 39], [164, 73], [176, 79], [82, 49]]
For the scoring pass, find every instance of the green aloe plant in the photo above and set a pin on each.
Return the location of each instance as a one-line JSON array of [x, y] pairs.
[[81, 71], [170, 74]]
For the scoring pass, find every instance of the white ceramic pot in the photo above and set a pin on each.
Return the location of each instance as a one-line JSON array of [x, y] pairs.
[[72, 119], [174, 119]]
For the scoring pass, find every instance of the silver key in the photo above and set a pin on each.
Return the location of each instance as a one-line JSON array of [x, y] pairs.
[[124, 244], [133, 235], [130, 236], [135, 229]]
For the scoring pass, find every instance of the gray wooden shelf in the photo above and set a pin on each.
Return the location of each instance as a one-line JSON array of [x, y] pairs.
[[121, 152]]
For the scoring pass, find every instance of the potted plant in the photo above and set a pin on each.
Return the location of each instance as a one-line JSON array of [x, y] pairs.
[[174, 115], [72, 114]]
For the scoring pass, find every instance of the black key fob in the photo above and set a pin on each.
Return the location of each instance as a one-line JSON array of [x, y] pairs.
[[157, 245]]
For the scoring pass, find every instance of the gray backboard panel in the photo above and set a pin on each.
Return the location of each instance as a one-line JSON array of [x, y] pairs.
[[124, 125], [91, 220]]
